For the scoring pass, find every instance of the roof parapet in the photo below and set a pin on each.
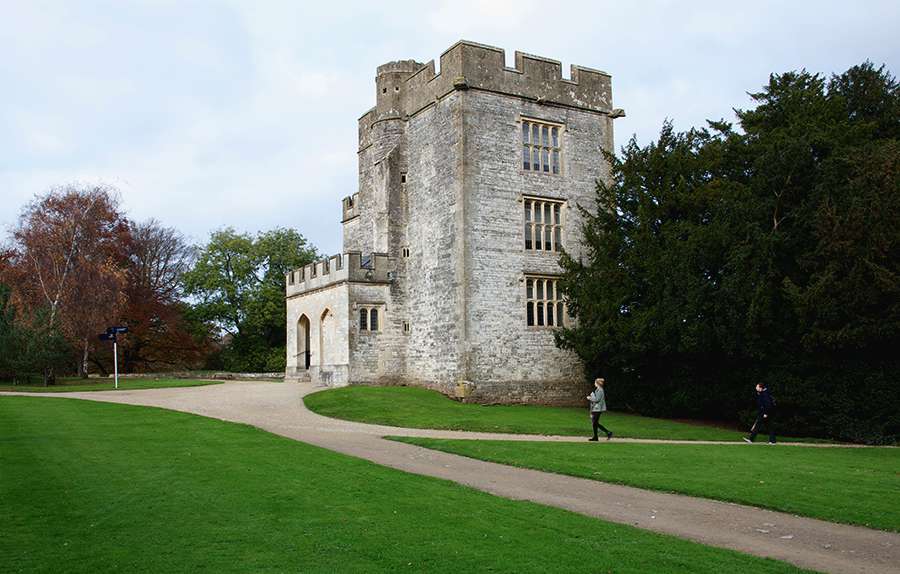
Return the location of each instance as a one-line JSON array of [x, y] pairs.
[[349, 266], [469, 65]]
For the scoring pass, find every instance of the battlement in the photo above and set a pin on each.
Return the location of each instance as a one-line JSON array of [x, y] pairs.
[[350, 266], [350, 207], [403, 89]]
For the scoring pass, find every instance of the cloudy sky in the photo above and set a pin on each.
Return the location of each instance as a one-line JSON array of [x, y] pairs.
[[208, 114]]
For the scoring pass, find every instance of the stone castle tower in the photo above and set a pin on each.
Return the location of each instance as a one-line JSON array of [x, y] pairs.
[[468, 185]]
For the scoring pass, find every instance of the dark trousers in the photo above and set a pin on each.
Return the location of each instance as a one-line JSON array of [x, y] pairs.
[[595, 423], [758, 424]]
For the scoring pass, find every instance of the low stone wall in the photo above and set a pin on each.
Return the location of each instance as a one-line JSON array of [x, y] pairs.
[[555, 393], [219, 376], [559, 394]]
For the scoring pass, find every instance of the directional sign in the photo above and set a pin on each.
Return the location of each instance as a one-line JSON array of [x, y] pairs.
[[120, 329], [107, 336]]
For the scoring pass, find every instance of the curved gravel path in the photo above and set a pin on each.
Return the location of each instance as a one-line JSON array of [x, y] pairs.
[[278, 408]]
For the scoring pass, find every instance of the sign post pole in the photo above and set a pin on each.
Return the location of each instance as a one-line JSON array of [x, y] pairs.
[[111, 335], [116, 361]]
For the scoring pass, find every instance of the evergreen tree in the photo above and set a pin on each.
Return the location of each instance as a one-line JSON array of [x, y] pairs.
[[722, 257]]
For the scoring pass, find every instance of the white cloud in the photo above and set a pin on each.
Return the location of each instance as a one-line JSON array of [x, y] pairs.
[[244, 114]]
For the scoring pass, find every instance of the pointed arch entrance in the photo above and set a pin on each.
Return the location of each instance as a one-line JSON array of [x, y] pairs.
[[303, 354]]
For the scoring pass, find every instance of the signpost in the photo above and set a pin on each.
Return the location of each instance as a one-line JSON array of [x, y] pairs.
[[110, 335]]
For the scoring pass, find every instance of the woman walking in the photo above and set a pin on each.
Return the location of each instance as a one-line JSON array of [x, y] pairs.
[[598, 407]]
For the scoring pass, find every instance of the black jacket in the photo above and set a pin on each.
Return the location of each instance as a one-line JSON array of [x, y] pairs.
[[765, 402]]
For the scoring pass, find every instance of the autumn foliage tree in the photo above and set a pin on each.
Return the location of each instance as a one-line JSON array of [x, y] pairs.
[[66, 265], [160, 336]]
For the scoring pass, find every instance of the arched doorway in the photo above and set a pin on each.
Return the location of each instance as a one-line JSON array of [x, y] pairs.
[[303, 342]]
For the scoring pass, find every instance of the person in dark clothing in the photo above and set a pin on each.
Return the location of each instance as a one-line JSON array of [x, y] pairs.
[[598, 407], [764, 416]]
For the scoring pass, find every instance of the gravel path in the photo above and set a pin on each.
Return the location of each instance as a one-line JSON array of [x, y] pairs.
[[278, 408]]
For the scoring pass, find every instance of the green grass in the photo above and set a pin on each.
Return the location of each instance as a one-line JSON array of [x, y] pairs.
[[96, 487], [852, 485], [412, 407], [72, 385]]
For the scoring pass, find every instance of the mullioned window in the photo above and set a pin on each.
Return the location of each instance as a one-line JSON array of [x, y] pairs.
[[368, 319], [543, 302], [543, 225], [541, 148]]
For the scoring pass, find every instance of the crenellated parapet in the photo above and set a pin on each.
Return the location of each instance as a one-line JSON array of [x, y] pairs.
[[350, 207], [405, 87], [351, 266]]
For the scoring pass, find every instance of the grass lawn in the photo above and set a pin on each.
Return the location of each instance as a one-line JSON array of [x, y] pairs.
[[71, 385], [95, 487], [412, 407], [852, 485]]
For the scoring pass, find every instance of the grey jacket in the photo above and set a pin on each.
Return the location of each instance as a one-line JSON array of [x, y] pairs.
[[598, 401]]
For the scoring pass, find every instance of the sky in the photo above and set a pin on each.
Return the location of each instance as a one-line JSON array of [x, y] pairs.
[[210, 114]]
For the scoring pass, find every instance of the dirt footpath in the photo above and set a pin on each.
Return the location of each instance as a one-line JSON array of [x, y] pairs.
[[278, 408]]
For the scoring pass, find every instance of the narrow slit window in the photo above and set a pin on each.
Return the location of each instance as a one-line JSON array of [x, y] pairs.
[[363, 320], [373, 320]]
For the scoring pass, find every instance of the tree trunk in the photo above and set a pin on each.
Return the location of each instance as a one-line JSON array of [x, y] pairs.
[[85, 356]]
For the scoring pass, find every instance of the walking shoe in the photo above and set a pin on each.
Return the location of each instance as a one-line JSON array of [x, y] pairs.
[[770, 442], [592, 439], [609, 435], [747, 440]]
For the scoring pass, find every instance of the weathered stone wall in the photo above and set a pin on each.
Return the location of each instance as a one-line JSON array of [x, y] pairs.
[[506, 358], [375, 356], [433, 282]]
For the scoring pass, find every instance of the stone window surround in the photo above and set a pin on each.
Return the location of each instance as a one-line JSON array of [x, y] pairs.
[[368, 308], [523, 198], [540, 122], [533, 301]]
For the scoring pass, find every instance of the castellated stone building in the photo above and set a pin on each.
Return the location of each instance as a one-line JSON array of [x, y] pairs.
[[468, 185]]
